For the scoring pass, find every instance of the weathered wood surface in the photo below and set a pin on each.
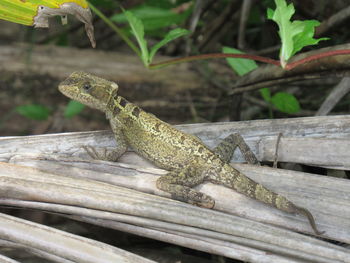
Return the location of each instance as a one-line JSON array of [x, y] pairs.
[[319, 141], [241, 220], [57, 245], [105, 204]]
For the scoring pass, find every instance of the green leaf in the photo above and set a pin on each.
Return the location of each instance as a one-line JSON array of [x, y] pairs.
[[305, 38], [240, 65], [287, 29], [266, 94], [154, 18], [294, 35], [34, 112], [285, 102], [73, 108], [173, 34], [139, 33]]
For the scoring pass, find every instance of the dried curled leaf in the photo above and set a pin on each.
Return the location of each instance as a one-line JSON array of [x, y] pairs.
[[36, 13]]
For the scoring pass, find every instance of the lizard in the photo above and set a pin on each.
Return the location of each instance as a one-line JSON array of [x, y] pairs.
[[188, 160]]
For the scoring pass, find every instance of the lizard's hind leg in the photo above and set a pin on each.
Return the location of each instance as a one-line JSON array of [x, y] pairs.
[[226, 148], [178, 184]]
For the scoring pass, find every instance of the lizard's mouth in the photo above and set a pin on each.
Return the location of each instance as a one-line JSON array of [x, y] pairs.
[[65, 89], [68, 86], [68, 90]]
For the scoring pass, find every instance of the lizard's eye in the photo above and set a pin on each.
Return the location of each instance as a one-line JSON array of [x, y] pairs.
[[87, 87]]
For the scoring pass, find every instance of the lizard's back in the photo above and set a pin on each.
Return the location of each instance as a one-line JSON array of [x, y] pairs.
[[158, 141]]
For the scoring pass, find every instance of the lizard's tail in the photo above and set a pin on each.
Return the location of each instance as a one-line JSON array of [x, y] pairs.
[[310, 217], [284, 204], [232, 178]]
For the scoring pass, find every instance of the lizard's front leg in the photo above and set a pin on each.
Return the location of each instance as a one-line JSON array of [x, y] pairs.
[[111, 155], [179, 183], [226, 148]]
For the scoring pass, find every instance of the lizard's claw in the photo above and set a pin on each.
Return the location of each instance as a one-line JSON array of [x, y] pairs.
[[105, 154], [92, 152]]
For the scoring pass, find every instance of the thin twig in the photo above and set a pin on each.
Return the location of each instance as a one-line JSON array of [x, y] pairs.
[[332, 21], [334, 97], [246, 6]]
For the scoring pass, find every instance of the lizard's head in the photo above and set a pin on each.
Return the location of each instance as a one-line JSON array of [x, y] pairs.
[[88, 89]]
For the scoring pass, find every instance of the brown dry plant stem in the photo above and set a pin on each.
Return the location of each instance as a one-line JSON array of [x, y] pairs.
[[289, 66]]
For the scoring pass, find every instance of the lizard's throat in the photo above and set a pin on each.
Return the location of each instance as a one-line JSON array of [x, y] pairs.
[[111, 104]]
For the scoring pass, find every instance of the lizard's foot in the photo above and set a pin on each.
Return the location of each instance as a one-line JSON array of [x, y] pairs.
[[176, 186], [105, 155], [194, 197], [202, 200]]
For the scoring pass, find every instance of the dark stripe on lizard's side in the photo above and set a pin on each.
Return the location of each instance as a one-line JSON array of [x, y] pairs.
[[136, 111], [116, 111], [123, 102]]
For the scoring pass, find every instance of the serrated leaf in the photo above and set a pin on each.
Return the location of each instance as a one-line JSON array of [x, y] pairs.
[[73, 108], [266, 94], [173, 34], [139, 33], [294, 35], [33, 111], [287, 30], [240, 65], [285, 102]]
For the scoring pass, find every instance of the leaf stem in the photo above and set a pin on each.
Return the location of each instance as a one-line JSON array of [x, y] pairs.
[[331, 53], [116, 29], [289, 66], [211, 56]]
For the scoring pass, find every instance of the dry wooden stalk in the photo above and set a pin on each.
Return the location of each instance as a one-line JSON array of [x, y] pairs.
[[69, 185]]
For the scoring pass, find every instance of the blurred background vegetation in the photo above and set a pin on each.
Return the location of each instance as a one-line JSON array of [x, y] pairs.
[[213, 25]]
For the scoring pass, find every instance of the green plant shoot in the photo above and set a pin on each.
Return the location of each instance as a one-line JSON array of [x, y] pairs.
[[154, 18], [294, 34], [138, 31]]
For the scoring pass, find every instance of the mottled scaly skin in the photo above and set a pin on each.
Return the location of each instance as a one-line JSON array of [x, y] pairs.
[[189, 161]]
